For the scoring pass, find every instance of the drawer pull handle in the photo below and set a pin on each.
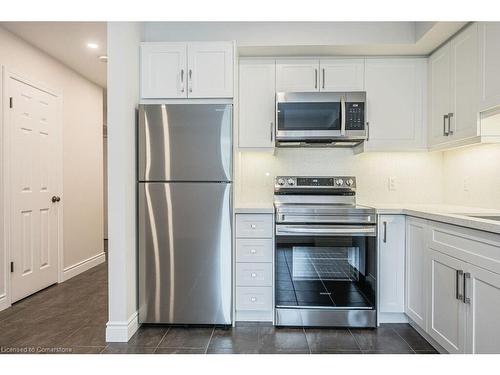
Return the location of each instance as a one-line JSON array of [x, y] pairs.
[[253, 299], [253, 251], [253, 226], [254, 274]]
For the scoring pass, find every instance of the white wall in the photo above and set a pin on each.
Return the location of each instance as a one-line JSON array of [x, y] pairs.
[[419, 177], [472, 176], [82, 144], [123, 95]]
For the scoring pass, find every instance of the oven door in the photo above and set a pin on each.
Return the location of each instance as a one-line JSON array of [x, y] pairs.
[[308, 116], [331, 267]]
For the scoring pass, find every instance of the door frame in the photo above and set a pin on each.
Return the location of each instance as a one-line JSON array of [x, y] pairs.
[[6, 178]]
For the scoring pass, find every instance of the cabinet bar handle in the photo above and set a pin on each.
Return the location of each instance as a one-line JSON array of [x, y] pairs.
[[385, 231], [466, 276], [272, 132], [458, 276], [445, 133], [315, 78], [323, 77], [367, 131], [450, 115], [190, 80], [182, 80]]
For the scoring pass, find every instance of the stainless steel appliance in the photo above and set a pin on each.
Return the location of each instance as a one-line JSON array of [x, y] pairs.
[[184, 213], [334, 119], [326, 254]]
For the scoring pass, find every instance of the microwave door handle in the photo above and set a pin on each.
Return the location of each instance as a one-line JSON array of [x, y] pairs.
[[359, 231], [342, 116]]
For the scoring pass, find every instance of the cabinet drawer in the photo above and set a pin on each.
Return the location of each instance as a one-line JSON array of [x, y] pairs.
[[254, 274], [254, 298], [254, 250], [254, 225]]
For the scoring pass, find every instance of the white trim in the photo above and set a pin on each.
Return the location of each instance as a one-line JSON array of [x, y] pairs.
[[187, 101], [4, 302], [122, 331], [392, 318], [427, 337], [83, 266]]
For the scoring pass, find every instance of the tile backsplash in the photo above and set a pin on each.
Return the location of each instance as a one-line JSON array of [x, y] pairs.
[[417, 176]]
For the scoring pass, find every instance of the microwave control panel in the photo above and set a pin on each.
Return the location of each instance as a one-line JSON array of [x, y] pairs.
[[355, 116]]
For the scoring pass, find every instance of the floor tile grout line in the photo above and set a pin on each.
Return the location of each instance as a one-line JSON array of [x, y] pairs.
[[355, 340], [159, 342], [402, 338], [209, 340], [307, 341]]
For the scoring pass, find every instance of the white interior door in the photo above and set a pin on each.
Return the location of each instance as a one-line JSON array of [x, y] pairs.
[[34, 136]]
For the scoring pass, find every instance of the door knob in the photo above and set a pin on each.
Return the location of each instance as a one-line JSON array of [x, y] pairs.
[[55, 199]]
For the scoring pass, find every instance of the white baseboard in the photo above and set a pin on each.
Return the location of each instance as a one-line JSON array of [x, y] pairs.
[[4, 303], [392, 318], [83, 266], [122, 331], [254, 316]]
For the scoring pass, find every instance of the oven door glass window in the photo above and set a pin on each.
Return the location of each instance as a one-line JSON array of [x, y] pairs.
[[337, 272], [309, 116]]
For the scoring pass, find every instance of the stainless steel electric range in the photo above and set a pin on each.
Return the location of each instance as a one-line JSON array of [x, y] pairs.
[[326, 254]]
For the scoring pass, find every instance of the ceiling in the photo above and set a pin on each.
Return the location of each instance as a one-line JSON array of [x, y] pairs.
[[67, 42]]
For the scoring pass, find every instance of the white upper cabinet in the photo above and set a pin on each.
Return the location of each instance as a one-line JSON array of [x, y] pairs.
[[396, 103], [256, 103], [210, 70], [342, 74], [439, 98], [391, 263], [163, 70], [186, 70], [489, 42], [297, 75]]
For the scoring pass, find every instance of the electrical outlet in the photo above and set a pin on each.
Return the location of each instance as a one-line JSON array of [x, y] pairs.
[[392, 183], [466, 184]]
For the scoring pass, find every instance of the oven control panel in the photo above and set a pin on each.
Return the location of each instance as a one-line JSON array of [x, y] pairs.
[[355, 116], [337, 182]]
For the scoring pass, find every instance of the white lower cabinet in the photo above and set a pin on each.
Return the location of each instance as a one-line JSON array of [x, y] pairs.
[[415, 288], [254, 267], [391, 250], [446, 308]]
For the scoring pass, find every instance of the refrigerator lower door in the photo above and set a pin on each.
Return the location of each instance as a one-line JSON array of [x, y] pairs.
[[185, 142], [185, 259]]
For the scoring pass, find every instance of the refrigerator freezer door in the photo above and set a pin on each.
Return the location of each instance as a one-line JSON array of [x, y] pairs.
[[185, 142], [185, 253]]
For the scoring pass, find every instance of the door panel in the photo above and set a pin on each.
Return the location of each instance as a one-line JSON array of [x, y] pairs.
[[163, 70], [297, 75], [185, 142], [342, 75], [440, 101], [483, 329], [185, 253], [34, 130], [210, 70], [446, 311], [489, 34]]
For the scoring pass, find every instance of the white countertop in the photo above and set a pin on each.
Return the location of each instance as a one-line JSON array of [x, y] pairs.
[[449, 214], [262, 208]]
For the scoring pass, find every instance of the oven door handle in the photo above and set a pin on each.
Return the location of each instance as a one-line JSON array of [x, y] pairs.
[[326, 231]]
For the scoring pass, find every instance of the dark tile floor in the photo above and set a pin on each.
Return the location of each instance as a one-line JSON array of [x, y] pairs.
[[71, 318]]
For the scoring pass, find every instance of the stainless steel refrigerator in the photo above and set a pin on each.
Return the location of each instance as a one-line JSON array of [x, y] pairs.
[[184, 213]]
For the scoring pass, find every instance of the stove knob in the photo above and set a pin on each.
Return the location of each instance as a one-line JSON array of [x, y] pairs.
[[291, 181], [281, 182], [349, 182], [339, 182]]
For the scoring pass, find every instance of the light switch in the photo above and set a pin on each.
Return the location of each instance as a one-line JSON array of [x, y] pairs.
[[392, 183]]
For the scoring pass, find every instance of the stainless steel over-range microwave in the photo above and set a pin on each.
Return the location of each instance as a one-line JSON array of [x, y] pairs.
[[320, 119]]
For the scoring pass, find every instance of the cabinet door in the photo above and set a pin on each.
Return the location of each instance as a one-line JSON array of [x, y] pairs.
[[210, 70], [342, 74], [163, 70], [256, 103], [440, 101], [464, 84], [483, 330], [446, 309], [297, 75], [396, 94], [489, 42], [391, 263], [415, 303]]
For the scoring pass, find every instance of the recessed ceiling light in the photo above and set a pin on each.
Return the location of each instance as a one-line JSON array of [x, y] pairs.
[[93, 45], [103, 58]]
